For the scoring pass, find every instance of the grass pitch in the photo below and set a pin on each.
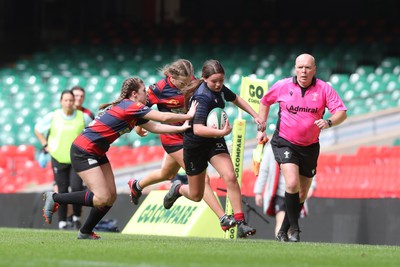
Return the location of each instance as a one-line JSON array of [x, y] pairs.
[[27, 247]]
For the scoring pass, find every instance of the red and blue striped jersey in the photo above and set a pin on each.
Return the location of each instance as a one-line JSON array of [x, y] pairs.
[[109, 125], [168, 98]]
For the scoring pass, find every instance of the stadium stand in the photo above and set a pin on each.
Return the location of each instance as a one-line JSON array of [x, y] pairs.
[[372, 172], [363, 64]]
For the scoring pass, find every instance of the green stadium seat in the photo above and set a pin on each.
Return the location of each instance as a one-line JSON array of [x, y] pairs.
[[235, 81], [153, 78], [21, 100], [380, 70], [393, 86], [361, 85], [395, 96], [31, 79], [390, 62], [396, 70], [283, 71], [143, 73], [337, 80], [388, 77], [115, 81], [272, 78], [13, 89], [8, 80], [374, 77], [243, 70], [364, 70], [348, 92], [94, 83], [22, 65], [364, 93], [93, 105], [58, 80], [355, 77], [377, 87], [76, 80]]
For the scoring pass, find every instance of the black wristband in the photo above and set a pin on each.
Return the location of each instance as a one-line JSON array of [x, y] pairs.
[[329, 123]]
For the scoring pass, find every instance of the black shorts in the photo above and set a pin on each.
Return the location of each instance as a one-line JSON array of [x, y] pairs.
[[305, 157], [172, 149], [196, 159], [82, 161]]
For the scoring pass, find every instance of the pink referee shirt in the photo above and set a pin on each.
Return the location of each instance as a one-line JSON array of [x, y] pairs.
[[298, 113]]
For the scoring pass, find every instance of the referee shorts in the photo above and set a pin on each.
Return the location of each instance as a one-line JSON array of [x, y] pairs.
[[305, 157]]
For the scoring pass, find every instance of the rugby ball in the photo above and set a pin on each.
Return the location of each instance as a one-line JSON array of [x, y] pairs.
[[217, 118]]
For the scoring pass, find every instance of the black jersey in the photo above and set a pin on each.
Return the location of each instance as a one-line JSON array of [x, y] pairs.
[[207, 100]]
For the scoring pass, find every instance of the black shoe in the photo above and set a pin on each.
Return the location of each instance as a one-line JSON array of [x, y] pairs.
[[172, 195], [244, 230], [294, 235], [92, 236], [135, 194], [282, 237], [227, 222]]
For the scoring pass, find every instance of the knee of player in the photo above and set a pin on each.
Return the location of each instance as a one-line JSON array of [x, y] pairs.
[[197, 198], [106, 199], [230, 178], [292, 185], [169, 177]]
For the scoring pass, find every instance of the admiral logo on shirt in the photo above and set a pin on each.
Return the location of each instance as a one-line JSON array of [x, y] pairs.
[[294, 110]]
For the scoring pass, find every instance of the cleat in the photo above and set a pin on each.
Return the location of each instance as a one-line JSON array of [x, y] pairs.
[[135, 194], [227, 222], [49, 206], [172, 195], [92, 236], [294, 235], [282, 237], [244, 230]]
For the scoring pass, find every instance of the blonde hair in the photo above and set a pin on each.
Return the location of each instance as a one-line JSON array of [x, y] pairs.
[[180, 67]]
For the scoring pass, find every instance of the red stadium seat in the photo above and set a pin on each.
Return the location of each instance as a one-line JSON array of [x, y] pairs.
[[248, 181], [25, 152], [7, 154], [8, 150], [218, 183]]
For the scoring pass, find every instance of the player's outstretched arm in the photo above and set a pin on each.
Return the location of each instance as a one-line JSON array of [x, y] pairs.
[[158, 128]]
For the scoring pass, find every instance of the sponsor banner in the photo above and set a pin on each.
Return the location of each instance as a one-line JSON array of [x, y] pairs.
[[237, 153], [185, 218], [252, 90]]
